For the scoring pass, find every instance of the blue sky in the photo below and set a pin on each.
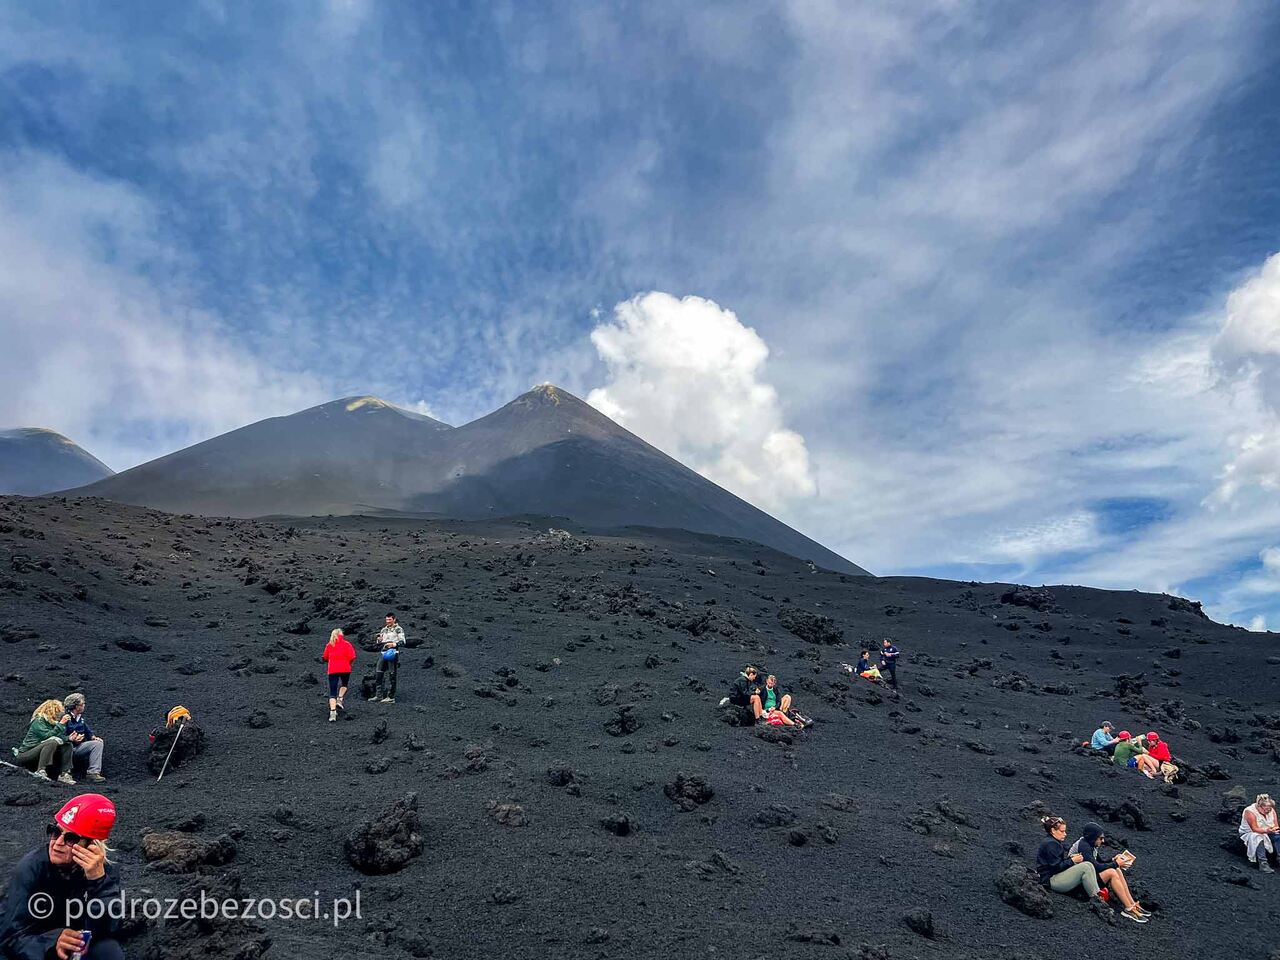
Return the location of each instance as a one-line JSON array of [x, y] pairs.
[[966, 289]]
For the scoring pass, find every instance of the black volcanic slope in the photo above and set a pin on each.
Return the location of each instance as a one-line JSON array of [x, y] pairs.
[[35, 461], [546, 452], [557, 714]]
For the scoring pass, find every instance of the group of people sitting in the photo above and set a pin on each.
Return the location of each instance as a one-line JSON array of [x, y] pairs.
[[764, 700], [1063, 866], [56, 737], [1146, 753]]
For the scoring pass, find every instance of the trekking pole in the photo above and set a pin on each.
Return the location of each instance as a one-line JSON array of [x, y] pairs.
[[165, 766]]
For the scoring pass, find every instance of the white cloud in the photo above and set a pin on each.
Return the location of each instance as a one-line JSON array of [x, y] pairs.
[[96, 350], [686, 375]]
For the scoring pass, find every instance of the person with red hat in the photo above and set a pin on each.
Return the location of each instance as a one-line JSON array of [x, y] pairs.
[[72, 866], [1158, 750]]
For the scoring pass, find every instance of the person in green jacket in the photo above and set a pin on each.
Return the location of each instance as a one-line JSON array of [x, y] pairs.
[[45, 742], [1126, 749]]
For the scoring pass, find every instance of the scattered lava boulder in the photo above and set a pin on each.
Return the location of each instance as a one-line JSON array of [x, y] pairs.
[[389, 841]]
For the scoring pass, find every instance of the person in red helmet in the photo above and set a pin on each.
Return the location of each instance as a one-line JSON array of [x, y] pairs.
[[72, 866], [1158, 750]]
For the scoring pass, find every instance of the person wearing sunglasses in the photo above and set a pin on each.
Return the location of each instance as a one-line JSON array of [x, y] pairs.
[[71, 866]]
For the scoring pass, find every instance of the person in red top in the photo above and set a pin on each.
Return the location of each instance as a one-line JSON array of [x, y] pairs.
[[1159, 750], [339, 654]]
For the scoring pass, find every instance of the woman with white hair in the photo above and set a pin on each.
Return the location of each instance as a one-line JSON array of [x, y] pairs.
[[1258, 829]]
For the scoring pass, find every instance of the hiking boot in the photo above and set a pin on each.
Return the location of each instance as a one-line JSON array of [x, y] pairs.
[[1134, 916], [333, 715], [374, 699], [388, 699], [724, 701], [1264, 865], [340, 705], [96, 778], [40, 775], [66, 778]]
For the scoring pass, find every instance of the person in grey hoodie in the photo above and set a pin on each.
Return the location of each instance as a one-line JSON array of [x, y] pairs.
[[390, 640]]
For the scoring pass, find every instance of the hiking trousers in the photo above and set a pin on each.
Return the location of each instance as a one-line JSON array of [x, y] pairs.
[[387, 674], [92, 749], [44, 753], [1082, 874]]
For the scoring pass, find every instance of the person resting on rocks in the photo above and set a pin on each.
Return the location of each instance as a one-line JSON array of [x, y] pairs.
[[1062, 871], [338, 655], [46, 742], [1131, 752], [1110, 870], [775, 706], [72, 865], [1259, 829], [1158, 750], [745, 692], [84, 743], [865, 668], [1102, 738]]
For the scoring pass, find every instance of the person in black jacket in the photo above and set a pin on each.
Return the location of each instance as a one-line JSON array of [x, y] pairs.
[[1110, 870], [1062, 871], [54, 885], [745, 692]]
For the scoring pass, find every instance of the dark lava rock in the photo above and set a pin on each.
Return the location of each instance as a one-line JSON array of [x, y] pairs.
[[561, 775], [507, 814], [688, 792], [811, 627], [259, 720], [1129, 812], [209, 935], [24, 798], [771, 734], [380, 732], [1181, 605], [388, 842], [133, 645], [190, 743], [920, 921], [1020, 596], [172, 852], [623, 723], [620, 824], [1019, 887]]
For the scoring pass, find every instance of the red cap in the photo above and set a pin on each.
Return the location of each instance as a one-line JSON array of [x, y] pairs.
[[1153, 737], [1124, 735], [91, 815]]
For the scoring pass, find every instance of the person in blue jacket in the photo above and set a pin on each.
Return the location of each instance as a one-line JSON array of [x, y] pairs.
[[1103, 740], [889, 662], [84, 742]]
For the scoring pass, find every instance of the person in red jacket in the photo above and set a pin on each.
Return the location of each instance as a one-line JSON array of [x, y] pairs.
[[1159, 750], [339, 654]]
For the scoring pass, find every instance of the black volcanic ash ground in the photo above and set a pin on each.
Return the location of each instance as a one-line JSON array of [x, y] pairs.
[[576, 792]]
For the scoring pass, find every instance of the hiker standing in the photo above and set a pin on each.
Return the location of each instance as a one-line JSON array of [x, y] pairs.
[[84, 742], [889, 662], [72, 866], [338, 654], [390, 640]]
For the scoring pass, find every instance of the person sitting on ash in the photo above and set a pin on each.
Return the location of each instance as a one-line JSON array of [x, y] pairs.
[[775, 705], [745, 692], [84, 742], [1259, 829], [1103, 740], [46, 743], [1158, 750], [1132, 753], [1110, 870], [1062, 871]]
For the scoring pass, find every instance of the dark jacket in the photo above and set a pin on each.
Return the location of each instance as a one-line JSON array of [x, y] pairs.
[[1052, 858], [22, 936], [742, 690], [1095, 855], [80, 725]]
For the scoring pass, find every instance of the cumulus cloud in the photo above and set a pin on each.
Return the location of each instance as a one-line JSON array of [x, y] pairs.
[[95, 349], [686, 375], [1246, 352]]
